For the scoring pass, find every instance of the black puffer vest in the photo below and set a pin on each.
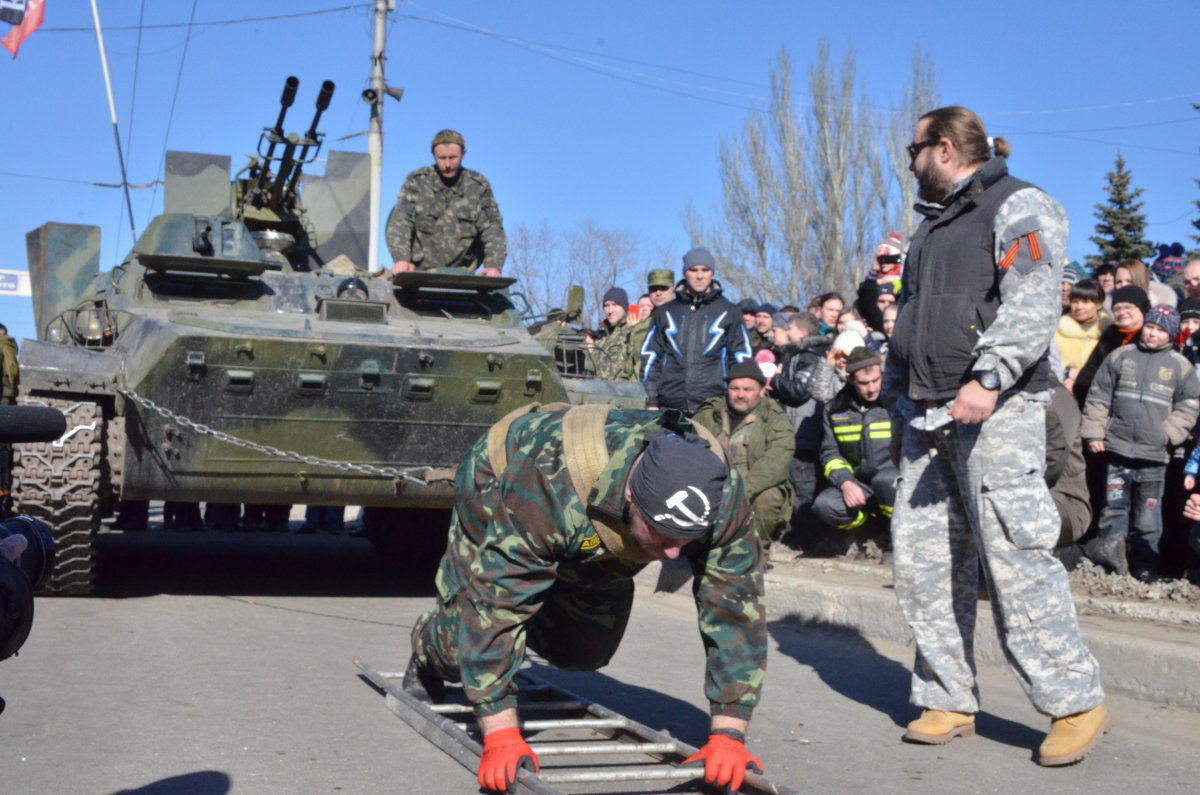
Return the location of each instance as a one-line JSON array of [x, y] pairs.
[[951, 290]]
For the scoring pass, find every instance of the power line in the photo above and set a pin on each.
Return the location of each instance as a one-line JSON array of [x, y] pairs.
[[214, 23], [556, 52], [90, 183], [174, 97]]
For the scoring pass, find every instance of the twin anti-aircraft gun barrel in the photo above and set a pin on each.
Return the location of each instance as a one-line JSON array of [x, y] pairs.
[[278, 189]]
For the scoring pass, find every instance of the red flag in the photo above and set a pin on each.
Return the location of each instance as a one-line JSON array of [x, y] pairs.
[[33, 19]]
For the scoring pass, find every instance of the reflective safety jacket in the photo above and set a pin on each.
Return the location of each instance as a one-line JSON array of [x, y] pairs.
[[857, 439]]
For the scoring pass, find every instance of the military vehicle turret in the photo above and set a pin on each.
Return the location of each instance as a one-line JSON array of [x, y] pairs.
[[240, 353]]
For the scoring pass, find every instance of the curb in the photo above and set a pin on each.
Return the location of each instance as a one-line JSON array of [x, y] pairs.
[[1153, 656]]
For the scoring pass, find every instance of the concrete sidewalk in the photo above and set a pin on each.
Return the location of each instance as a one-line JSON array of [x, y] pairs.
[[1147, 650]]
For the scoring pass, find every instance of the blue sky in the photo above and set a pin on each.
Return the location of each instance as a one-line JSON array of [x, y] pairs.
[[611, 111]]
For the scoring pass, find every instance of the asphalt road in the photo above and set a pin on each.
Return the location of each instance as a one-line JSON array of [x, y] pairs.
[[220, 664]]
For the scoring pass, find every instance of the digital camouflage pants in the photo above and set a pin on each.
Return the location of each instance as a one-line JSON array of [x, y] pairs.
[[972, 497]]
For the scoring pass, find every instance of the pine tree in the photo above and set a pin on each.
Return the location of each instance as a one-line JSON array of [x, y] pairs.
[[1119, 233]]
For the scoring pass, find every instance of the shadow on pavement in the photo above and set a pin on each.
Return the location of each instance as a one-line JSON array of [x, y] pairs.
[[203, 782], [153, 562], [650, 707], [862, 674]]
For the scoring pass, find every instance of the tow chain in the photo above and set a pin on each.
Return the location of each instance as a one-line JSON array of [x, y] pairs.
[[422, 475]]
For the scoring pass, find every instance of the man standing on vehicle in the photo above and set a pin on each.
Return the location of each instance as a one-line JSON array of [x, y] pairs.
[[554, 513], [968, 371], [693, 340], [446, 216]]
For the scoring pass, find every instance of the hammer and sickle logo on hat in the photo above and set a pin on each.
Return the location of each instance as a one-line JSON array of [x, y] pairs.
[[678, 502]]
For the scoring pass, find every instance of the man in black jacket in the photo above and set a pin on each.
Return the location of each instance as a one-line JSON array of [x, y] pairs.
[[693, 340], [790, 386]]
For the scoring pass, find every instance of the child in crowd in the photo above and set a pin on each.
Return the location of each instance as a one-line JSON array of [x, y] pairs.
[[1188, 341], [1079, 330], [1144, 400]]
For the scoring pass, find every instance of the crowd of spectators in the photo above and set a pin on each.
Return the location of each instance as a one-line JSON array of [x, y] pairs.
[[1121, 452]]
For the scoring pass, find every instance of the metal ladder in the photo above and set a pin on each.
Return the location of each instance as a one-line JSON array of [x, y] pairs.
[[578, 742]]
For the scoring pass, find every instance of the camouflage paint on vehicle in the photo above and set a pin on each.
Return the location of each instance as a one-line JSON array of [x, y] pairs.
[[248, 357]]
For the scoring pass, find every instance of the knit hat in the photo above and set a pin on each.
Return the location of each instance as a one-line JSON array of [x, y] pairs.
[[1070, 276], [746, 369], [780, 320], [1170, 261], [853, 335], [699, 257], [862, 358], [1189, 309], [893, 245], [617, 296], [1131, 294], [765, 309], [748, 306], [886, 288], [1164, 317], [677, 484], [660, 277], [448, 137]]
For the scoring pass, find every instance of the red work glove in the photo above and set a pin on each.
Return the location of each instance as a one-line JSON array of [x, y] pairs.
[[725, 761], [504, 750]]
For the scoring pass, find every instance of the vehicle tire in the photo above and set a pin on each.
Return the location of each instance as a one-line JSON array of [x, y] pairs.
[[58, 483]]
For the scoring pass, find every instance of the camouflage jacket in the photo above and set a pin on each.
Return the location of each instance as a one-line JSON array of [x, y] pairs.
[[760, 448], [518, 533], [637, 342], [11, 372], [435, 225], [612, 352]]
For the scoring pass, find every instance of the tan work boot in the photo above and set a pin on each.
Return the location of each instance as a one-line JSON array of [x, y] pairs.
[[938, 727], [1072, 737]]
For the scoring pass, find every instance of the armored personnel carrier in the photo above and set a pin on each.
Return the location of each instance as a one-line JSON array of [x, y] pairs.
[[240, 353]]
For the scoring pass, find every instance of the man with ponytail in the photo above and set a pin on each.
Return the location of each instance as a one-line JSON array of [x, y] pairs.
[[967, 374]]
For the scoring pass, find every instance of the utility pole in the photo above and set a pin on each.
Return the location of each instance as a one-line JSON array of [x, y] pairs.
[[375, 135]]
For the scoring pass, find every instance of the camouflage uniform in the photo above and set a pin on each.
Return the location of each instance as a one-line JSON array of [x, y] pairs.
[[761, 449], [974, 493], [612, 353], [435, 225], [525, 566], [637, 340], [9, 370]]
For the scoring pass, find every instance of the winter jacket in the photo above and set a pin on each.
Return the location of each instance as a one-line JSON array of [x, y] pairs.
[[612, 351], [692, 343], [760, 447], [1076, 342], [1110, 339], [857, 438], [791, 386], [1141, 402]]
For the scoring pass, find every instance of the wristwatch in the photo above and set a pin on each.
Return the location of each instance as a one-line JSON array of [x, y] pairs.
[[988, 379]]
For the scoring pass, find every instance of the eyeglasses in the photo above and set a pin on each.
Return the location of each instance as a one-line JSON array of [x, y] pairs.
[[658, 288], [915, 149]]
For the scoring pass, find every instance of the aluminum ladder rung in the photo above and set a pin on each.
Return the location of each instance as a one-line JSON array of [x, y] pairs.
[[461, 742], [639, 774], [531, 706], [581, 749], [567, 723]]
